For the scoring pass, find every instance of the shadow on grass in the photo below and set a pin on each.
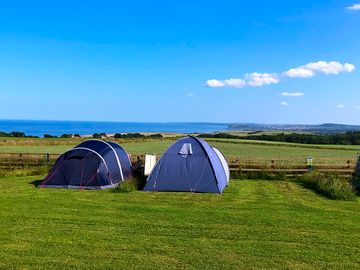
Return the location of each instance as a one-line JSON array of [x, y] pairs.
[[137, 182], [310, 186], [36, 183]]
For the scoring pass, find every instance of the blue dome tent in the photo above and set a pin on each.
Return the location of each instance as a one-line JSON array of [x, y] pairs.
[[190, 164], [93, 164]]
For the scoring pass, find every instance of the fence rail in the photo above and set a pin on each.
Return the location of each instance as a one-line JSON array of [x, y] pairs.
[[290, 167]]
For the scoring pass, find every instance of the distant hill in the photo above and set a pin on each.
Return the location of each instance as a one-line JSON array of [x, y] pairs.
[[327, 128]]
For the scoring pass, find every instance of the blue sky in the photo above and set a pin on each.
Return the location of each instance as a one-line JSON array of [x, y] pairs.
[[153, 61]]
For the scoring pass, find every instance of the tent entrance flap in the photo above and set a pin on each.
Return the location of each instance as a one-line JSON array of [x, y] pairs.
[[186, 149]]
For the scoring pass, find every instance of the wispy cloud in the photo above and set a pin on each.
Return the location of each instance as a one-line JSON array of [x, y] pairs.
[[357, 107], [340, 106], [284, 103], [257, 79], [292, 94], [353, 7]]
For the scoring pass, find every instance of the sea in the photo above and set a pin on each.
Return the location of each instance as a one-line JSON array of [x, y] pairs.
[[57, 128]]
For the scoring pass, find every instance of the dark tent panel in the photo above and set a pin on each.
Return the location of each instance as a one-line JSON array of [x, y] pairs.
[[190, 164], [93, 164], [355, 182]]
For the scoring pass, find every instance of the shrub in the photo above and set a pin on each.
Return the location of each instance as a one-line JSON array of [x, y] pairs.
[[127, 186], [17, 134], [136, 136], [330, 185], [49, 136], [66, 136], [96, 135], [129, 136], [155, 136]]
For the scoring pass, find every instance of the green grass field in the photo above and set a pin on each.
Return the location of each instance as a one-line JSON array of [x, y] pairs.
[[254, 224], [240, 148]]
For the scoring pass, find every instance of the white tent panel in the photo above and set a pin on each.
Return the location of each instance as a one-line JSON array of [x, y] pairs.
[[224, 163]]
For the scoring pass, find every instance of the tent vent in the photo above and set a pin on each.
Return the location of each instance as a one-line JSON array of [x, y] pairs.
[[186, 149]]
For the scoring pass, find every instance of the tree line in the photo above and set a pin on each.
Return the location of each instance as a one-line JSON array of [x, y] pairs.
[[348, 138]]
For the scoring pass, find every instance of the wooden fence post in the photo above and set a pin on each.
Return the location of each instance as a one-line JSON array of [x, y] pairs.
[[309, 164], [238, 165]]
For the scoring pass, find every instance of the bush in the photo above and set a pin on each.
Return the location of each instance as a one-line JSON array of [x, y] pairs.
[[136, 136], [330, 185], [66, 136], [155, 136], [127, 186], [96, 136], [129, 136], [16, 134], [49, 136]]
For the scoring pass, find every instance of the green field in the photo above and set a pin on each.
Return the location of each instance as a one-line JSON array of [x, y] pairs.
[[239, 148], [254, 224]]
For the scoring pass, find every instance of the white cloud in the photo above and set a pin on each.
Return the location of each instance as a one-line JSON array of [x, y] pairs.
[[260, 79], [357, 107], [354, 7], [215, 83], [284, 103], [340, 106], [305, 71], [330, 67], [299, 72], [235, 83], [292, 94], [310, 69]]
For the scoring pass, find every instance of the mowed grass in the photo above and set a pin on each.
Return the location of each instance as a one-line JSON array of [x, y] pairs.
[[230, 148], [254, 224]]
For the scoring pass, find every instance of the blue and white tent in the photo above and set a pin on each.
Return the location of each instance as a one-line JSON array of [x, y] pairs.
[[93, 164], [190, 164]]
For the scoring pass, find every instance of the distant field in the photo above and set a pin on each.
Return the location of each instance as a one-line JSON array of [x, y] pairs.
[[240, 148], [254, 224]]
